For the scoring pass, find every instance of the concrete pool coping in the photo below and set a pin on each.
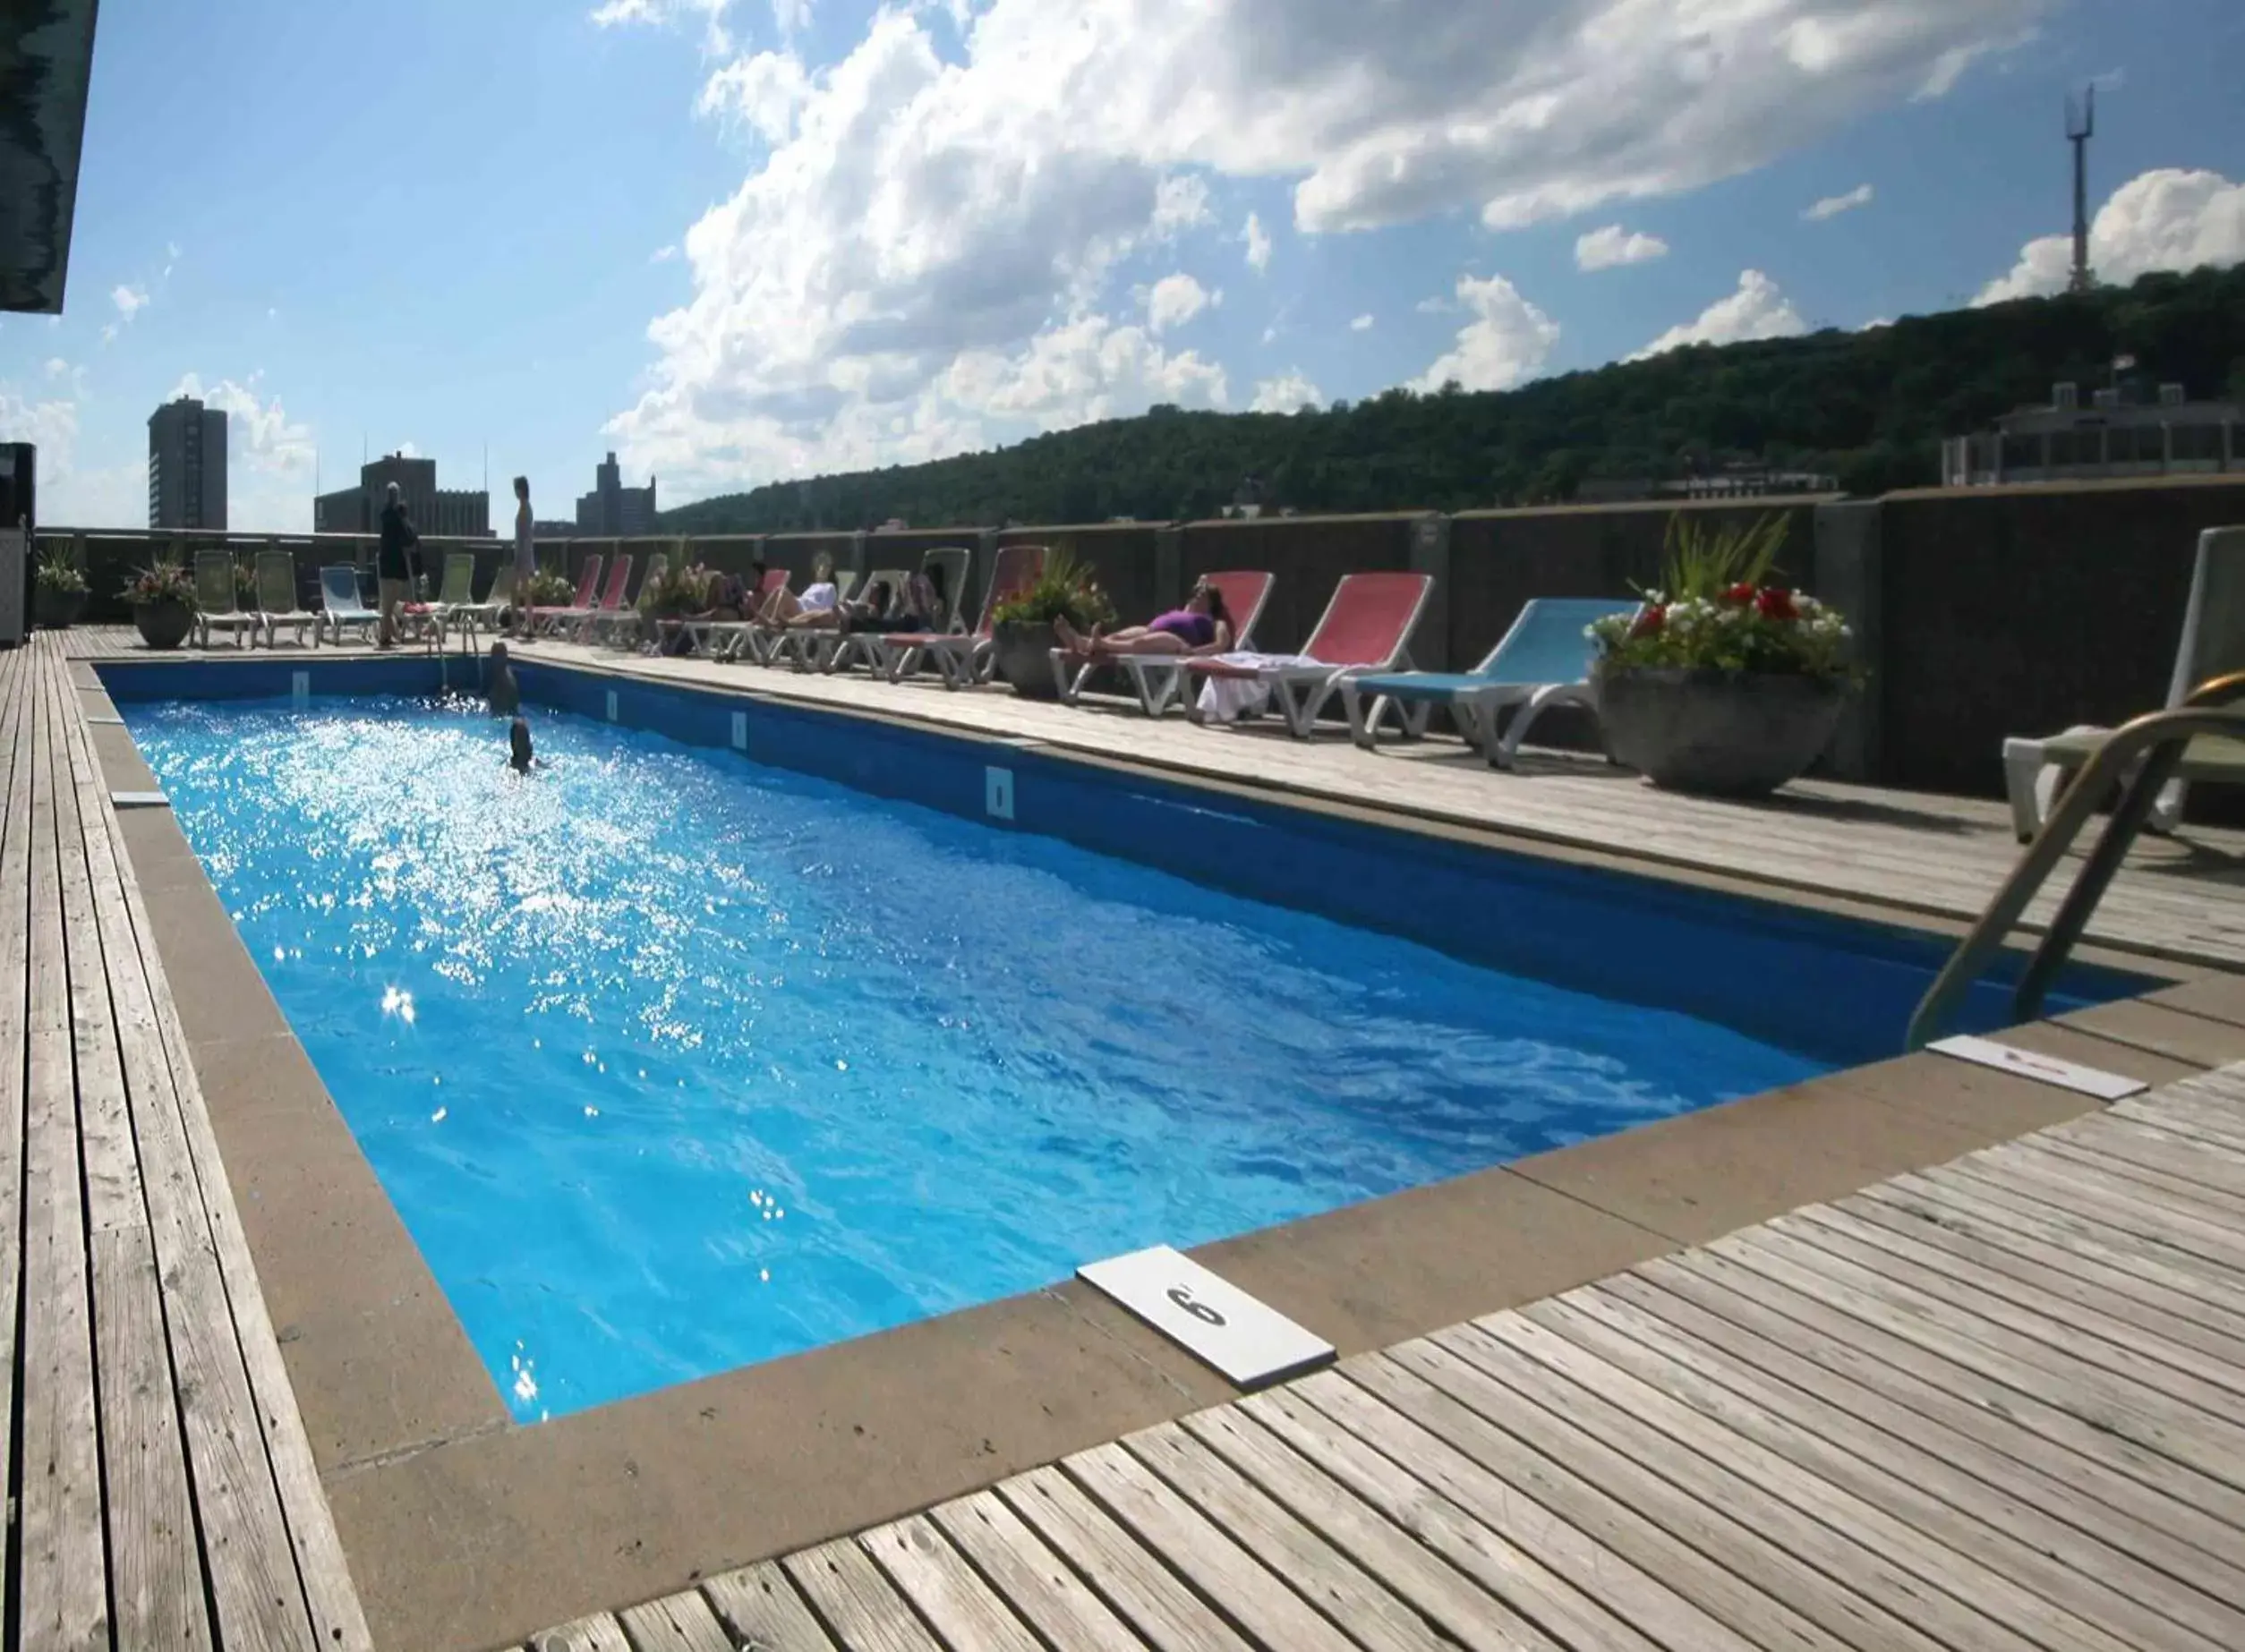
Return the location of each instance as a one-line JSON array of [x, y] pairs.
[[464, 1529]]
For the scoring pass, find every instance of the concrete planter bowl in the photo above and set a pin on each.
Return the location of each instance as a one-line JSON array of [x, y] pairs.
[[56, 610], [1023, 656], [163, 624], [1720, 734]]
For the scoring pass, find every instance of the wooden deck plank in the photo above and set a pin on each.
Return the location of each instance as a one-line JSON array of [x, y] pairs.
[[2105, 1317], [2110, 1199], [156, 1561], [2071, 1567], [1937, 1588], [1599, 1547], [676, 1624], [2202, 1445], [599, 1633], [15, 908], [64, 1558], [1359, 1602], [1696, 1533], [763, 1610], [1138, 1588], [1035, 1582], [2212, 1164], [864, 1609], [2044, 1438], [2128, 1172], [1247, 1592], [284, 1568], [1466, 1613], [929, 1572]]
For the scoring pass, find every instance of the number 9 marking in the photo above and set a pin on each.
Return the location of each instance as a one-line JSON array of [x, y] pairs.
[[1182, 1297]]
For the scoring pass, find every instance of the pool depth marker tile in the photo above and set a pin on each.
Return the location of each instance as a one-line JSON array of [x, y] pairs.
[[1251, 1343], [139, 800], [2043, 1069]]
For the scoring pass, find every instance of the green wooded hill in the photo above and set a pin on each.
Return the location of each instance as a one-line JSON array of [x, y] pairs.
[[1870, 407]]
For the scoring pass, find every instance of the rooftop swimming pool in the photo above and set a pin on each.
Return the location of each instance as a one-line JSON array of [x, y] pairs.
[[673, 1061]]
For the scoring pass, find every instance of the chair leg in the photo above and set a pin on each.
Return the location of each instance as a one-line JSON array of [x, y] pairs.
[[2022, 783], [1501, 754], [1352, 705]]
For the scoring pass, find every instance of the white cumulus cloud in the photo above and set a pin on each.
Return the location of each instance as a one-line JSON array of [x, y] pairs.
[[968, 188], [1258, 239], [130, 301], [1361, 324], [2164, 219], [259, 433], [1608, 248], [1756, 310], [1506, 344], [1175, 299], [1288, 393], [1832, 206]]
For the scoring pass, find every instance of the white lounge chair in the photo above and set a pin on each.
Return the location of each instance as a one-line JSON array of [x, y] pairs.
[[340, 604], [2212, 644], [964, 659], [1543, 660], [277, 599], [216, 604]]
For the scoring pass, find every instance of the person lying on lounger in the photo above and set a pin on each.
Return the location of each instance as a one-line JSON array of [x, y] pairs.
[[819, 606], [728, 601], [506, 694], [1202, 626], [920, 609]]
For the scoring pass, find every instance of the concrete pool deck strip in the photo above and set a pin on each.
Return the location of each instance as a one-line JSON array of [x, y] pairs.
[[464, 1531]]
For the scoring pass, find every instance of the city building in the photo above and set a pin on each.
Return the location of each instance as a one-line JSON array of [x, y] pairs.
[[543, 528], [453, 512], [613, 511], [2113, 437], [187, 465]]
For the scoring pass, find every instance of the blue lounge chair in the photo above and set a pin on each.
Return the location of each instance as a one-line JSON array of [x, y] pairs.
[[340, 605], [1543, 660]]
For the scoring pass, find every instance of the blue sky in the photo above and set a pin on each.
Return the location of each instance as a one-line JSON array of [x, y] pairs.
[[736, 240]]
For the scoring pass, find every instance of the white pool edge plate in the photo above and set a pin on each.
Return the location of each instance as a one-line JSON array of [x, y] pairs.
[[1251, 1343], [2042, 1068], [139, 800]]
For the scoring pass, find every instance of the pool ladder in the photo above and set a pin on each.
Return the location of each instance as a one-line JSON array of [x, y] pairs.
[[2159, 739]]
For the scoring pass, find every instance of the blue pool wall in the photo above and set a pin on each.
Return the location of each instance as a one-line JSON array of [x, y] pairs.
[[1837, 990]]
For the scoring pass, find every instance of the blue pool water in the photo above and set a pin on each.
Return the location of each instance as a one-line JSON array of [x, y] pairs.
[[671, 1063]]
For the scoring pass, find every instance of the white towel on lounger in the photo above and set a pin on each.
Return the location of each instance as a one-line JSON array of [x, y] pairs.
[[1224, 699]]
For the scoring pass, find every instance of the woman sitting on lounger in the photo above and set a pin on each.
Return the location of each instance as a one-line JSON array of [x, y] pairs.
[[819, 605], [920, 611], [1202, 626]]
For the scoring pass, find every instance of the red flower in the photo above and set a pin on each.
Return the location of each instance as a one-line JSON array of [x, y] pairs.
[[1739, 594], [1650, 621], [1776, 604]]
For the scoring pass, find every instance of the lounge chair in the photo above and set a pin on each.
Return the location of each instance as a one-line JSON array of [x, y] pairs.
[[1543, 660], [819, 650], [277, 599], [953, 561], [620, 617], [963, 658], [341, 605], [457, 591], [216, 602], [472, 615], [576, 622], [1156, 678], [546, 621], [1366, 627], [2212, 644], [734, 638]]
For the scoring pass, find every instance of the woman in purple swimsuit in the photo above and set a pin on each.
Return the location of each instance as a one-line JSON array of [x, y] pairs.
[[1202, 626]]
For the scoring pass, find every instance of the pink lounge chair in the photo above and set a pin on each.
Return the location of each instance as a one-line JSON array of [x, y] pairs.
[[962, 659], [581, 621], [1366, 627], [544, 621], [1157, 678]]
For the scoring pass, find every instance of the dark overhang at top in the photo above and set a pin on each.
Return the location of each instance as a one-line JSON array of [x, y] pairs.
[[45, 59]]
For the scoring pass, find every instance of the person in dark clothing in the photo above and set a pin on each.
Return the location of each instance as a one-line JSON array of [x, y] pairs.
[[506, 695], [397, 565], [921, 608]]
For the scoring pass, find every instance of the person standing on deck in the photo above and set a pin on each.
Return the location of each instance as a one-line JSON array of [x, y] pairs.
[[525, 558], [397, 565]]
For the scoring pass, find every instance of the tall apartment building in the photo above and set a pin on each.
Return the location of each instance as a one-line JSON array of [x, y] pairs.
[[613, 511], [449, 512], [187, 465]]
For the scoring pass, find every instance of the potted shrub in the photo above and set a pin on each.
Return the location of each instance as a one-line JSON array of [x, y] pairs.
[[162, 600], [1021, 635], [1727, 682], [58, 592]]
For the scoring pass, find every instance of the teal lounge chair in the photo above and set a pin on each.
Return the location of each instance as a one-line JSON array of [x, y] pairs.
[[340, 604], [1543, 660]]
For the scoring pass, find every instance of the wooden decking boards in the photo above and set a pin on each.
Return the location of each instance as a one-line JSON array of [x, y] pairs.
[[1999, 1405], [166, 1496]]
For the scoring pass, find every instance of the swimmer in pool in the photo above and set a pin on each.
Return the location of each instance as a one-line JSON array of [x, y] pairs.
[[505, 691], [521, 759]]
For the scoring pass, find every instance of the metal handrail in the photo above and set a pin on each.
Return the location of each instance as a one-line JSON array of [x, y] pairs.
[[2160, 739]]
